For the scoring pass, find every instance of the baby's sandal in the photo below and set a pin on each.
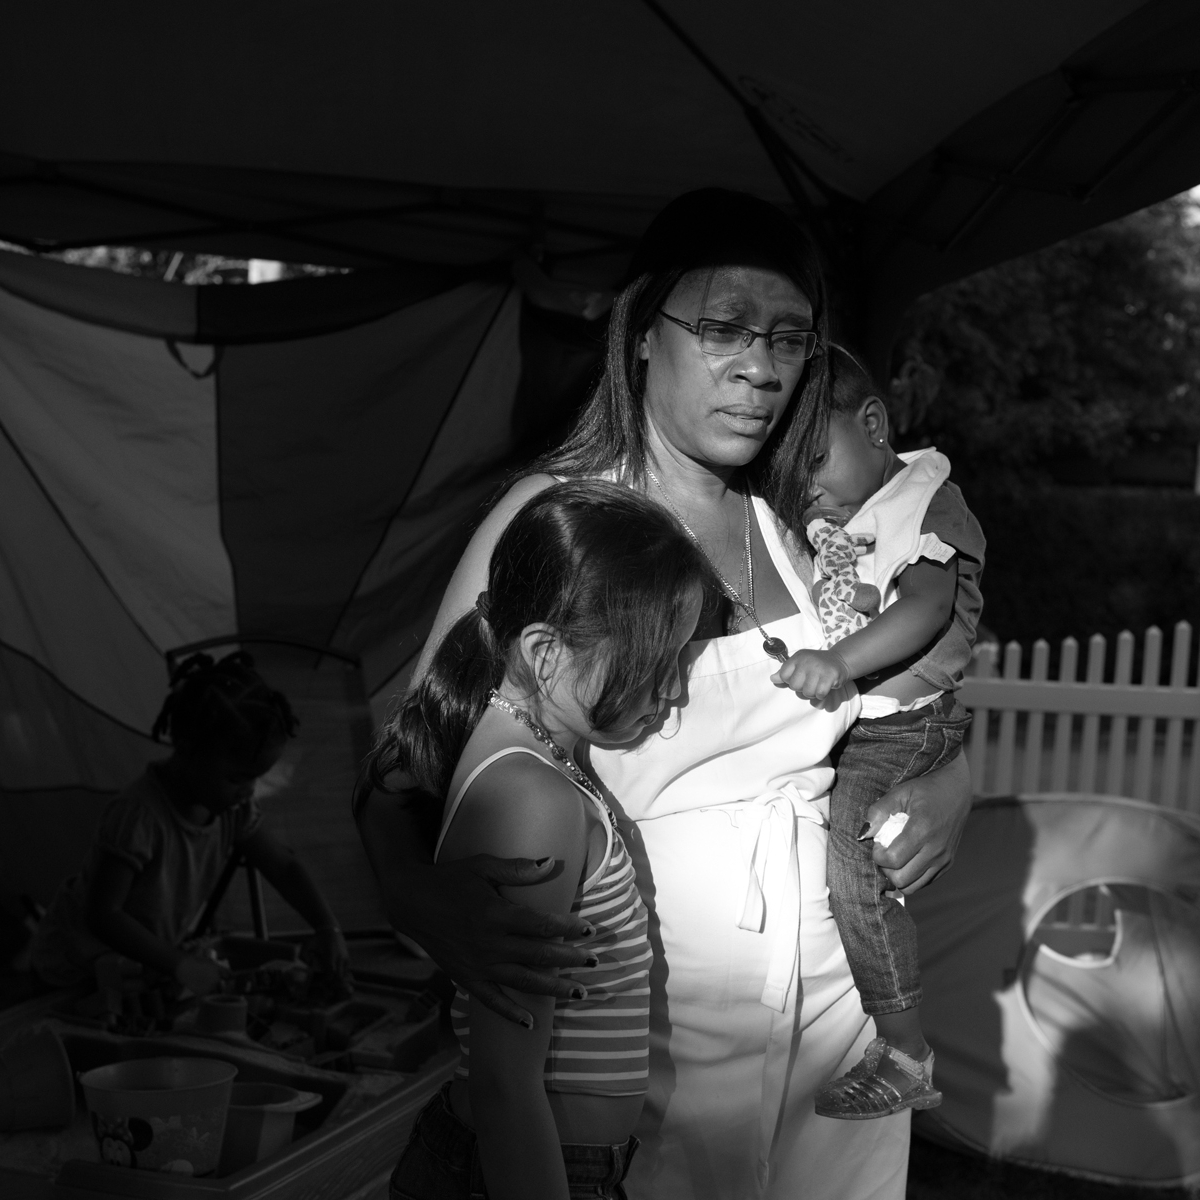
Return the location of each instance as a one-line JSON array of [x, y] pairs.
[[885, 1081]]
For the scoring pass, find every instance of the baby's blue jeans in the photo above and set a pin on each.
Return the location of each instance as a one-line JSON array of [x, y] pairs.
[[877, 933]]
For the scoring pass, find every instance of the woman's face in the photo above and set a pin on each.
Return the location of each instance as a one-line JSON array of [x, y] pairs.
[[719, 410]]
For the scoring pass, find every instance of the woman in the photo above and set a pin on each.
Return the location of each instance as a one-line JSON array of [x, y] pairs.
[[711, 404]]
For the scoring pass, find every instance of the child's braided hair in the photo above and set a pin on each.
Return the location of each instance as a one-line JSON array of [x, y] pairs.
[[223, 703]]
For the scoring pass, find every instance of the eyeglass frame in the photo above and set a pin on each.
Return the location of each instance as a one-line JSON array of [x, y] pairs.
[[696, 331]]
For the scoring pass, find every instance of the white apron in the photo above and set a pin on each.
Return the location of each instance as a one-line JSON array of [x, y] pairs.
[[752, 1003]]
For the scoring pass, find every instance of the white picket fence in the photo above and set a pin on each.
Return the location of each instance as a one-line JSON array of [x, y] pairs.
[[1087, 735]]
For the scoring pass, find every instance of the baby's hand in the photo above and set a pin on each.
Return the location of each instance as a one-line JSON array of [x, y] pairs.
[[813, 674]]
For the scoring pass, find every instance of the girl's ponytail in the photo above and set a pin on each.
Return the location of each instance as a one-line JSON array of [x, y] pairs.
[[426, 734]]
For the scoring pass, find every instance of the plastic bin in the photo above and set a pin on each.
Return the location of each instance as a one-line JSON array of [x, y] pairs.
[[261, 1121], [160, 1114]]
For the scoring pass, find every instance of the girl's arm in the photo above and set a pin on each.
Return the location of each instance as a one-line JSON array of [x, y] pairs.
[[108, 920], [290, 878], [520, 809]]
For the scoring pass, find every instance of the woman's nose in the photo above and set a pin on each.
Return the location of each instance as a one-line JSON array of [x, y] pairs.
[[757, 364], [674, 686]]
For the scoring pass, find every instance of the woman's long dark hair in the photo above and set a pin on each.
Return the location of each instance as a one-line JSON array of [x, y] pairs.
[[710, 228], [608, 569]]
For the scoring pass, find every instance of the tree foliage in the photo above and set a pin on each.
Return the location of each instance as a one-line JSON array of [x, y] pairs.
[[1088, 348]]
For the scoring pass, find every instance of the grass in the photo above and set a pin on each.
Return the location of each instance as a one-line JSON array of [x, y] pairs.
[[935, 1173]]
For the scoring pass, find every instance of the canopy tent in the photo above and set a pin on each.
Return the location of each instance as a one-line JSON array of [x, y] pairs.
[[297, 464], [1061, 966], [922, 141]]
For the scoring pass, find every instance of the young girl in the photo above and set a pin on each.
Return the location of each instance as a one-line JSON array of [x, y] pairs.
[[162, 844], [592, 594], [905, 637]]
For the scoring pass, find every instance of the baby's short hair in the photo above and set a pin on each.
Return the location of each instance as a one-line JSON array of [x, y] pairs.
[[223, 705], [851, 384]]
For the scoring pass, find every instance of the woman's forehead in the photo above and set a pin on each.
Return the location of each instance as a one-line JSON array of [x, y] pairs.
[[732, 290]]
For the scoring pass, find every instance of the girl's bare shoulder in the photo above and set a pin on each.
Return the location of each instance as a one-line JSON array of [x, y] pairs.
[[520, 806]]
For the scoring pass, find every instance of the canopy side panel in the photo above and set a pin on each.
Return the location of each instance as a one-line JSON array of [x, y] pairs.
[[399, 593], [123, 439], [320, 442], [51, 738], [58, 610]]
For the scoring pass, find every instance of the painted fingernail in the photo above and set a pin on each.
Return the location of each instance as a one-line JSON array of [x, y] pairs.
[[588, 931], [866, 828], [591, 961], [527, 1022], [541, 862], [578, 993]]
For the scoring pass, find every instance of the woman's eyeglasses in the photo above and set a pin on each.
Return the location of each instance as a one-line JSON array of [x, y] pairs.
[[724, 337]]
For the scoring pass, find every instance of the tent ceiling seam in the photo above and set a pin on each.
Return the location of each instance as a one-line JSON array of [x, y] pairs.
[[45, 670], [781, 155], [71, 532], [215, 223], [1082, 90], [421, 466]]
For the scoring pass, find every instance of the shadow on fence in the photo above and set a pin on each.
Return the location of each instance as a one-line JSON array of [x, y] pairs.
[[1092, 734]]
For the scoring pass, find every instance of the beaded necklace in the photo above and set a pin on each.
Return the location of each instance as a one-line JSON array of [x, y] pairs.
[[560, 755]]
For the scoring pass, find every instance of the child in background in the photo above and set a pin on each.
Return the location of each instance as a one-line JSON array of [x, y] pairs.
[[905, 633], [162, 843], [593, 592]]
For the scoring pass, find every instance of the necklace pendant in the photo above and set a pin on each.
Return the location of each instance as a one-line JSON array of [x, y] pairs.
[[776, 648]]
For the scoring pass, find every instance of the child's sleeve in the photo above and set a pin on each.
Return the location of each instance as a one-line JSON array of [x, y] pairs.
[[950, 524], [128, 831]]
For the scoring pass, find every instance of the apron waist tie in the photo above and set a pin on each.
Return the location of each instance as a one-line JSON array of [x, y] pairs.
[[767, 825]]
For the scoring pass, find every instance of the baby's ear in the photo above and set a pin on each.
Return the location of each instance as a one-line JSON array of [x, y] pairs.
[[874, 417]]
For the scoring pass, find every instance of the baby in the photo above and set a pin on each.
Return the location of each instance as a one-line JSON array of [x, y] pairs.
[[901, 621]]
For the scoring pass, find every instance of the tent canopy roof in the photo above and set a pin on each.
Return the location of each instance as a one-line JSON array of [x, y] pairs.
[[923, 141]]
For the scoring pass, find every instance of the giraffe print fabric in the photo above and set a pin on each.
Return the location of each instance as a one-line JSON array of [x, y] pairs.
[[845, 604]]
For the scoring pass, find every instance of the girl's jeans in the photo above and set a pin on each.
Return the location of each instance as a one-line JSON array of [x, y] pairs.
[[441, 1162], [878, 934]]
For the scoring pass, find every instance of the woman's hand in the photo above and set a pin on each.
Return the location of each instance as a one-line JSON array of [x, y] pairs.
[[454, 912], [937, 805], [481, 940]]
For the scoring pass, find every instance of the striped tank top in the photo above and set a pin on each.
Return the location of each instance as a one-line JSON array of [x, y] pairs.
[[599, 1046]]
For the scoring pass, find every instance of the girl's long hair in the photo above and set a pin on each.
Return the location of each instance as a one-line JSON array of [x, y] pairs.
[[610, 571], [705, 229]]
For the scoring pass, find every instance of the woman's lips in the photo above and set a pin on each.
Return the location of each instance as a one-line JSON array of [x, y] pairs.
[[752, 421]]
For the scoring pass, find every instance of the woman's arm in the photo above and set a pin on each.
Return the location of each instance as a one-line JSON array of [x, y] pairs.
[[453, 910], [520, 809], [471, 575], [938, 805]]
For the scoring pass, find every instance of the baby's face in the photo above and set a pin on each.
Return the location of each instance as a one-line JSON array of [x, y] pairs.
[[849, 472]]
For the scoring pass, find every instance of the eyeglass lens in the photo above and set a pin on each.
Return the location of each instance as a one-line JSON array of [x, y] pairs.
[[788, 345]]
